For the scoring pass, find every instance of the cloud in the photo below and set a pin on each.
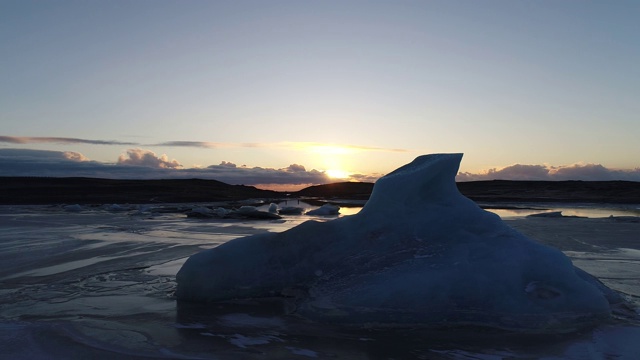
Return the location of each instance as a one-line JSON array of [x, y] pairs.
[[144, 164], [305, 146], [213, 145], [196, 144], [293, 174], [59, 140], [296, 168], [28, 162], [586, 172], [593, 171], [365, 178], [74, 156], [146, 158], [41, 155], [309, 146], [228, 164]]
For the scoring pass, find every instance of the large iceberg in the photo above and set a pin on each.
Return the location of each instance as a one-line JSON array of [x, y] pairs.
[[418, 254]]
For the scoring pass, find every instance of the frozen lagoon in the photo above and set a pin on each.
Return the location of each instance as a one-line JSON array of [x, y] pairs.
[[99, 283]]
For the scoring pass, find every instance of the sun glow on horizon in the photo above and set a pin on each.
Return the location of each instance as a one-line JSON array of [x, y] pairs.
[[337, 174]]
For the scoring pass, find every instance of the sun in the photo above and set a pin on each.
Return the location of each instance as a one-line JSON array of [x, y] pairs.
[[337, 174]]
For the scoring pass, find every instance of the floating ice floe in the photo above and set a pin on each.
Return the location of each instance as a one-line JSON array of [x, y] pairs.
[[114, 207], [287, 210], [273, 208], [244, 212], [418, 254], [73, 208], [326, 209]]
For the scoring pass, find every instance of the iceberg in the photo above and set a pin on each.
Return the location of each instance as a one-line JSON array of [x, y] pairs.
[[419, 253]]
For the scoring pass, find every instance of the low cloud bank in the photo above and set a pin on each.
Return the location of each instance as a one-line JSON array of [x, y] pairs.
[[293, 174], [145, 164], [586, 172]]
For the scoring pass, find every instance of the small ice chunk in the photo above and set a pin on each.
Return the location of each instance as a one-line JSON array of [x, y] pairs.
[[114, 207], [302, 352], [222, 212], [326, 209], [550, 214], [203, 210], [246, 209], [73, 208]]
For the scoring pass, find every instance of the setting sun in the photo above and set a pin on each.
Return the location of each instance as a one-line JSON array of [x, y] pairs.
[[337, 174]]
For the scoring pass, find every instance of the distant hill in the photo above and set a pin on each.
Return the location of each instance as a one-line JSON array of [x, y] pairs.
[[348, 190], [42, 190], [619, 192], [37, 190]]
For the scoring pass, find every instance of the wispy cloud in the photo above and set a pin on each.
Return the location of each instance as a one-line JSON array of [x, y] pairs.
[[305, 146], [59, 140], [213, 145], [309, 146], [196, 144], [587, 172]]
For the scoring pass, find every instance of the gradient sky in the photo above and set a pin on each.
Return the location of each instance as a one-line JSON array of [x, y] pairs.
[[521, 87]]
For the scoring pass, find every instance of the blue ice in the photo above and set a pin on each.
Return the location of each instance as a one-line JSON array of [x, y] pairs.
[[418, 254]]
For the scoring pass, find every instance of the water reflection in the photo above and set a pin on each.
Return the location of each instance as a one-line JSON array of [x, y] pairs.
[[306, 206], [505, 211], [587, 210]]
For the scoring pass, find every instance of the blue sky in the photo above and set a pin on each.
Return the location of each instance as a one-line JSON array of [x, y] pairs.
[[339, 87]]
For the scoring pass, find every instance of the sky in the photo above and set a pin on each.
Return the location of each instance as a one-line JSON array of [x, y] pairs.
[[283, 94]]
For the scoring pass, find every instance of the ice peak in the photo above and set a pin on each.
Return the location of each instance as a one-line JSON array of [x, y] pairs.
[[428, 178]]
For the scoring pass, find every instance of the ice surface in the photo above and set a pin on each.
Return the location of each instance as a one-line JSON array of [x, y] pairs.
[[418, 253], [98, 285]]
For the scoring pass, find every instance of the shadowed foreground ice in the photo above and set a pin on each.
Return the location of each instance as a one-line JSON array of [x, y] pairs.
[[418, 254]]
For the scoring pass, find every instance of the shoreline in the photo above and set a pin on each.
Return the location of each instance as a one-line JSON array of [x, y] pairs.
[[43, 191]]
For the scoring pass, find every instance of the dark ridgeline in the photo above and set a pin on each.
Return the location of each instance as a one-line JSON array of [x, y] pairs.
[[42, 190], [342, 190], [35, 190], [615, 192]]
